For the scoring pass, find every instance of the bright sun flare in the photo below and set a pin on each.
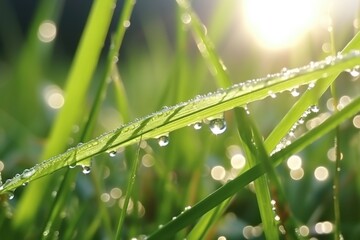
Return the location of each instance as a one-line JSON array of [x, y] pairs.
[[280, 23]]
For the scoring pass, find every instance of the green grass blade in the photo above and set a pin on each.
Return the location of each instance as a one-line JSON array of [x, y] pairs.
[[256, 154], [77, 85], [129, 191], [183, 114], [232, 187]]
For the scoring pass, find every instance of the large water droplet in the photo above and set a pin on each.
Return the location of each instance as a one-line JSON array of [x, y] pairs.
[[28, 173], [163, 140], [10, 195], [197, 125], [295, 92], [112, 153], [86, 169], [217, 125]]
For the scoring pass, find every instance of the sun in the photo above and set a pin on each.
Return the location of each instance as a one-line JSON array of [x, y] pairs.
[[279, 24]]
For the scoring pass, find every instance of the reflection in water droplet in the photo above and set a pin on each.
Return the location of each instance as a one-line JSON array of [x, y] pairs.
[[86, 169], [217, 125], [163, 140], [112, 153]]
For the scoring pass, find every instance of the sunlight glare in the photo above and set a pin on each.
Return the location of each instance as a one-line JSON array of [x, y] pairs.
[[280, 23]]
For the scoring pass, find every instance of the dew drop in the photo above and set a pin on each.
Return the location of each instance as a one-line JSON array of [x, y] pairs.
[[86, 169], [197, 125], [272, 94], [163, 140], [311, 85], [314, 108], [72, 165], [301, 120], [295, 92], [217, 126], [112, 153], [186, 18], [10, 195], [28, 173]]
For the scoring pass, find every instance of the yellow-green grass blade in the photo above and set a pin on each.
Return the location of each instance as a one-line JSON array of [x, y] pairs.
[[78, 81], [183, 114]]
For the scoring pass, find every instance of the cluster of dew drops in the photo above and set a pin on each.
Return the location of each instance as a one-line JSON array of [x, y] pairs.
[[217, 126]]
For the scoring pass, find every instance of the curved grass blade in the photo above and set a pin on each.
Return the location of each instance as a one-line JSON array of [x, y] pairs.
[[183, 114], [232, 187]]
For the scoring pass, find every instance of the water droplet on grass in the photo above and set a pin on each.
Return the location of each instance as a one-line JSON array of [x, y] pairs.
[[217, 126], [86, 169], [314, 108], [10, 195], [197, 125], [272, 94], [311, 85], [295, 92], [163, 140], [112, 153], [28, 173], [186, 18], [73, 165], [354, 72]]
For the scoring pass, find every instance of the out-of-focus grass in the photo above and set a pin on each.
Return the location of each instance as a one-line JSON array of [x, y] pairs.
[[161, 66]]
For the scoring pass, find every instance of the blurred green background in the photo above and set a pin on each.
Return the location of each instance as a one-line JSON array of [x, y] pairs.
[[38, 40]]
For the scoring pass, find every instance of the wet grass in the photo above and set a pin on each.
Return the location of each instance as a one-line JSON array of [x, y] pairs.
[[132, 187]]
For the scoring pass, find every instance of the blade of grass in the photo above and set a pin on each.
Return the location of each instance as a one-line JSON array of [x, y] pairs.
[[89, 126], [256, 155], [77, 84], [336, 186], [183, 114], [232, 187], [254, 147], [31, 64], [129, 191]]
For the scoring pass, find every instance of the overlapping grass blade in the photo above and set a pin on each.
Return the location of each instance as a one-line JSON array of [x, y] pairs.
[[310, 97], [232, 187], [183, 114]]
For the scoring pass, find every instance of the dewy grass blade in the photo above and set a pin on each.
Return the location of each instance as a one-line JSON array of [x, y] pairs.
[[183, 114], [310, 97], [232, 187]]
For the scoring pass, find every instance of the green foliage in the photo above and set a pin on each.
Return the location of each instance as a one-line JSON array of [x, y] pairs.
[[133, 187]]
